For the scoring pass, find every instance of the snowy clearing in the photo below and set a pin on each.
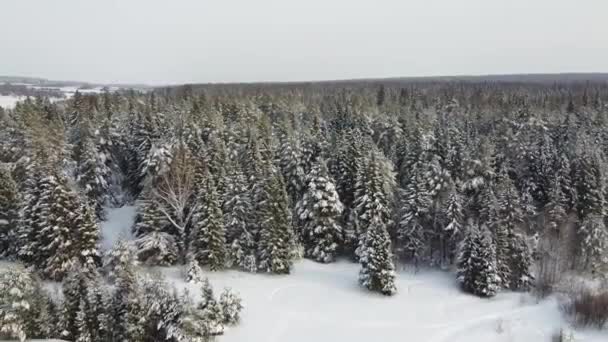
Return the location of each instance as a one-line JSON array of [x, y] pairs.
[[320, 302], [9, 101], [324, 303], [117, 226]]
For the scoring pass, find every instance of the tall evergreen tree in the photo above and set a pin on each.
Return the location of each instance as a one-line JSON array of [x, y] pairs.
[[377, 269], [276, 240], [374, 195], [237, 220], [319, 213], [153, 239], [477, 263], [208, 240], [9, 215]]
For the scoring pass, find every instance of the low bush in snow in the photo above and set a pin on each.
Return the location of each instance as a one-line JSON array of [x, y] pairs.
[[588, 308]]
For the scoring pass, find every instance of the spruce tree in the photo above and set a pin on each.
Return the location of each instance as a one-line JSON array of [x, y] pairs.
[[454, 218], [477, 263], [373, 197], [155, 245], [292, 169], [9, 215], [412, 232], [377, 269], [521, 264], [319, 213], [17, 293], [237, 220], [67, 230], [126, 308], [276, 240], [92, 175], [208, 240]]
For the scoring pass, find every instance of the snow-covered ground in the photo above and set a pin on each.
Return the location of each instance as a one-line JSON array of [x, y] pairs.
[[117, 226], [324, 303], [9, 101]]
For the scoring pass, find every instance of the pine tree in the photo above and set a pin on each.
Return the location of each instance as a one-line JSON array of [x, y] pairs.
[[477, 263], [194, 273], [454, 218], [377, 270], [292, 169], [16, 303], [154, 244], [92, 175], [9, 215], [373, 197], [208, 241], [412, 233], [119, 259], [67, 230], [210, 308], [126, 309], [237, 221], [276, 239], [521, 264], [594, 242], [231, 307], [319, 213]]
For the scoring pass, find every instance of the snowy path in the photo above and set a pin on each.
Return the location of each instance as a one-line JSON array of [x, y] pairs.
[[324, 303]]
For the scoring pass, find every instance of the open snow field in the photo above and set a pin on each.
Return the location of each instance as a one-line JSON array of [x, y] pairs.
[[319, 303], [9, 101], [324, 303]]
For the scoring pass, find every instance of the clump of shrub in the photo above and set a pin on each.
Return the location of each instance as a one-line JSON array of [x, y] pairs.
[[588, 308]]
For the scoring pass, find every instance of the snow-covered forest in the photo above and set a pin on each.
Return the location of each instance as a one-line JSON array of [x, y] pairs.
[[501, 186]]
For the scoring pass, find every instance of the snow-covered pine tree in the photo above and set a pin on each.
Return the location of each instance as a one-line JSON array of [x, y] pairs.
[[156, 163], [162, 311], [477, 263], [290, 163], [377, 269], [208, 239], [30, 220], [74, 322], [592, 233], [83, 334], [216, 158], [345, 167], [119, 259], [86, 237], [126, 308], [92, 174], [210, 308], [16, 303], [454, 218], [412, 229], [594, 242], [194, 273], [557, 206], [231, 306], [237, 220], [42, 317], [521, 277], [276, 238], [319, 213], [67, 230], [9, 215], [374, 195], [154, 244]]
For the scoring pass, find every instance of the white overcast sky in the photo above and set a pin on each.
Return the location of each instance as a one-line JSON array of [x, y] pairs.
[[177, 41]]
